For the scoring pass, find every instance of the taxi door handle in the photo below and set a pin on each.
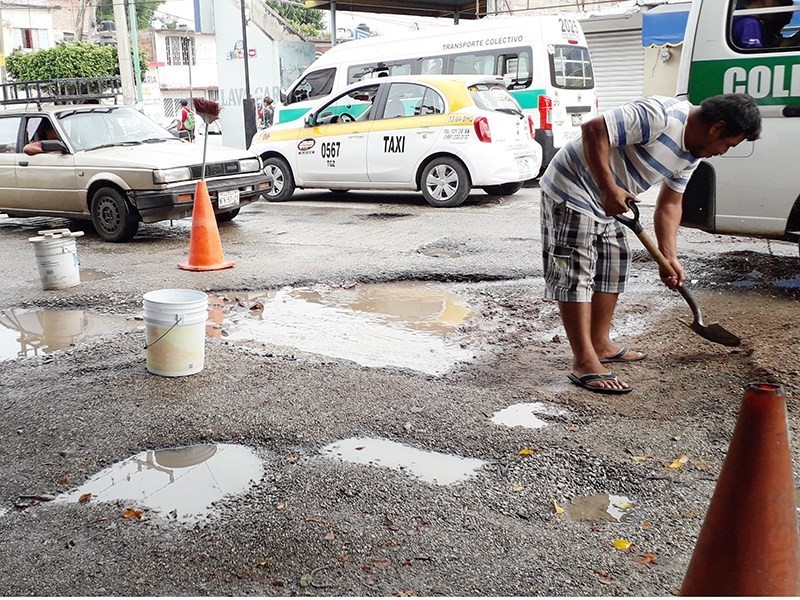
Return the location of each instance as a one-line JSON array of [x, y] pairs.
[[356, 136], [424, 131]]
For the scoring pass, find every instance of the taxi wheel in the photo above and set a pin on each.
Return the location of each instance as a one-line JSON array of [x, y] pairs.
[[282, 179], [114, 219], [504, 189], [445, 182]]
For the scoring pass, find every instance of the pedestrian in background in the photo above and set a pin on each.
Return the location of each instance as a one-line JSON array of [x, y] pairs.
[[267, 113], [186, 120], [619, 154]]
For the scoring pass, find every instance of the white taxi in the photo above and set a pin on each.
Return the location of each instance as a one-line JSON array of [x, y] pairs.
[[443, 135]]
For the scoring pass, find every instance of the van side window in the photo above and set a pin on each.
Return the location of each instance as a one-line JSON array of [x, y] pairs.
[[9, 129], [380, 69], [571, 68], [431, 66], [314, 85], [516, 69], [764, 25], [467, 64]]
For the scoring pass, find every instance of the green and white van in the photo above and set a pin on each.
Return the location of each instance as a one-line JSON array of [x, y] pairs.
[[544, 61], [754, 189]]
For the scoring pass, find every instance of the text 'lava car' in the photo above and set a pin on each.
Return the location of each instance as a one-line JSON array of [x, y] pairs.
[[114, 166], [443, 135]]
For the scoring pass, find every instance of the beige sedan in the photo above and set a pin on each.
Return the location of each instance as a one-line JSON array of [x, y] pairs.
[[115, 167]]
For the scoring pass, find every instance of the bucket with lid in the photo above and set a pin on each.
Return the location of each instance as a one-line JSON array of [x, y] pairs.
[[175, 327], [57, 258]]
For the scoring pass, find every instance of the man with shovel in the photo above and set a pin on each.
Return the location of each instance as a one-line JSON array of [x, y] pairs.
[[619, 154]]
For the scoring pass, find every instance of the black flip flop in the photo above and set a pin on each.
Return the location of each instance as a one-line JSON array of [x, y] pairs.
[[584, 380]]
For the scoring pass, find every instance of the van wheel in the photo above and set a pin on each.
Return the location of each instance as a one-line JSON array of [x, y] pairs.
[[504, 189], [226, 216], [113, 217], [282, 179], [445, 182]]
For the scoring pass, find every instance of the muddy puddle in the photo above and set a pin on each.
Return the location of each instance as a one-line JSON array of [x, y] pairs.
[[175, 483], [425, 465], [526, 414], [407, 325], [601, 507], [32, 332]]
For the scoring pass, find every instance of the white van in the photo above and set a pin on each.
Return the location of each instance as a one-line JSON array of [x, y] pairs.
[[754, 189], [544, 60]]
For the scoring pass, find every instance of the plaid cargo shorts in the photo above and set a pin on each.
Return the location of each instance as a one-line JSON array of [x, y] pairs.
[[581, 256]]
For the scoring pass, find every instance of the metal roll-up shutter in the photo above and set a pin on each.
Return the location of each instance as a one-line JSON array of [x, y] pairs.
[[618, 61]]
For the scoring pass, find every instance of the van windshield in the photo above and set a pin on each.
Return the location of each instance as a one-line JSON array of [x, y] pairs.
[[571, 68]]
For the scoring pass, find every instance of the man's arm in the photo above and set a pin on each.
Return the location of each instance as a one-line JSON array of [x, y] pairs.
[[32, 148], [596, 148], [666, 219]]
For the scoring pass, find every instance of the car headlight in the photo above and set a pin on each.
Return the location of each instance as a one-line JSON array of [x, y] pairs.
[[172, 175], [249, 165]]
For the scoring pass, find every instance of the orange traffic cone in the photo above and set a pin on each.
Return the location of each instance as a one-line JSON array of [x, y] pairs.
[[749, 544], [205, 248]]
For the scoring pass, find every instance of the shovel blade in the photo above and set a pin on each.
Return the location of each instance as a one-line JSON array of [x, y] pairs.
[[714, 332]]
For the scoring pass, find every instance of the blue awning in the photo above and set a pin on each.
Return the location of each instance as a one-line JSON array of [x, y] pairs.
[[664, 24]]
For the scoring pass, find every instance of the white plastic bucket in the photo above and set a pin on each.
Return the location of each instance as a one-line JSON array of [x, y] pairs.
[[57, 258], [175, 327]]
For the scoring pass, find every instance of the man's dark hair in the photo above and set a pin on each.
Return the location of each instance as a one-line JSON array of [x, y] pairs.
[[738, 111], [184, 102]]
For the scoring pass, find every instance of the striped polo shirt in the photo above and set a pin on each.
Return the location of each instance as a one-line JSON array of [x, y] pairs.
[[646, 139]]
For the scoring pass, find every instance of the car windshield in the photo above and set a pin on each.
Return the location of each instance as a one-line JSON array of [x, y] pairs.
[[101, 127]]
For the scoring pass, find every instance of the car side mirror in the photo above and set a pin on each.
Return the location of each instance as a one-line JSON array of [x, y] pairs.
[[283, 96], [311, 120], [54, 146]]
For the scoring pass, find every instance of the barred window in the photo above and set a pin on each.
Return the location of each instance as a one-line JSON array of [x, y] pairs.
[[180, 49]]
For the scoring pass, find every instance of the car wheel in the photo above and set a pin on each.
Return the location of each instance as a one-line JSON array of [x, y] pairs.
[[504, 189], [226, 216], [445, 182], [114, 219], [282, 179]]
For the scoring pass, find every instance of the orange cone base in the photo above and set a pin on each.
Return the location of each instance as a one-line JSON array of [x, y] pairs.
[[223, 265]]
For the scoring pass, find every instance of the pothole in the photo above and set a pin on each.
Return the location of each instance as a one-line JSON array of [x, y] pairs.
[[601, 507], [32, 332], [428, 466], [525, 414], [404, 324], [92, 275], [176, 483]]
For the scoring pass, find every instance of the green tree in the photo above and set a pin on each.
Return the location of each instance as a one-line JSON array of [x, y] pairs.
[[145, 9], [67, 60], [308, 21]]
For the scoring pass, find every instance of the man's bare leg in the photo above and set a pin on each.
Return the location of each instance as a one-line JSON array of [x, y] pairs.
[[578, 319], [603, 306]]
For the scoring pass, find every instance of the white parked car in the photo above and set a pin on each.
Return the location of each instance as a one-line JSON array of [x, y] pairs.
[[443, 135]]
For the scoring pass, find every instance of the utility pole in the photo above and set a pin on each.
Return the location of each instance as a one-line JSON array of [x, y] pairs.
[[2, 49], [124, 54], [137, 72], [248, 104]]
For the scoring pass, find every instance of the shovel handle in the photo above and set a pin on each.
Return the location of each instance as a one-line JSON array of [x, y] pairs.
[[651, 247]]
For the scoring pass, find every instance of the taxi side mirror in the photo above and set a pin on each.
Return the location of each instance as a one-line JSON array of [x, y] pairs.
[[54, 146], [283, 96], [311, 120]]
